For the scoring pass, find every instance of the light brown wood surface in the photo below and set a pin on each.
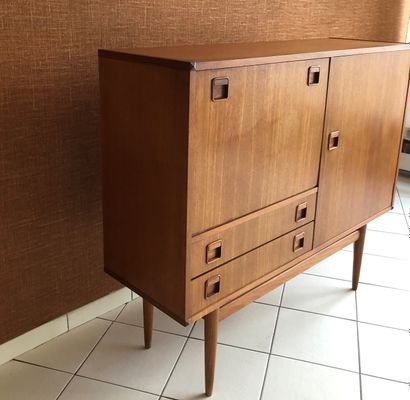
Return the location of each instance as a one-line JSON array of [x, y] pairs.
[[366, 101], [251, 231], [249, 267], [220, 185], [148, 311], [259, 146], [211, 338], [311, 258], [145, 147], [227, 55], [357, 257]]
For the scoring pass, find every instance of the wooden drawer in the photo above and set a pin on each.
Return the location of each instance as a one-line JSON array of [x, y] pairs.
[[223, 281], [218, 246]]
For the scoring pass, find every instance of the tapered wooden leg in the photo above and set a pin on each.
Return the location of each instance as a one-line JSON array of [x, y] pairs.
[[357, 257], [211, 337], [148, 318]]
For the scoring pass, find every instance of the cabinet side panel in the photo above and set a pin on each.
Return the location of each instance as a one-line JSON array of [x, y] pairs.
[[365, 106], [145, 149]]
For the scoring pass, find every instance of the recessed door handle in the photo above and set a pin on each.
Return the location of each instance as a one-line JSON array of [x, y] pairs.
[[212, 286], [313, 75], [299, 242], [213, 251], [301, 212], [333, 140], [219, 89]]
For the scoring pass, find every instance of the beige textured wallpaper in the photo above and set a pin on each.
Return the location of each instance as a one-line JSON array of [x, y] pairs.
[[50, 208]]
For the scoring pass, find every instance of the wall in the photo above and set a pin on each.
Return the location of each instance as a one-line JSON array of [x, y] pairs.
[[50, 206]]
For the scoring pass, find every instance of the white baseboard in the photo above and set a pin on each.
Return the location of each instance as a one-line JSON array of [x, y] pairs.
[[52, 329]]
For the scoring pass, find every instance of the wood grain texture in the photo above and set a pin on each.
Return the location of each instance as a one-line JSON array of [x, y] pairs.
[[50, 202], [211, 339], [148, 311], [366, 101], [357, 257], [248, 268], [251, 231], [312, 258], [145, 178], [268, 130], [228, 55]]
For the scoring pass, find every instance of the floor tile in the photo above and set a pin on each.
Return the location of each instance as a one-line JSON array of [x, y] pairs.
[[121, 358], [273, 297], [385, 271], [382, 389], [296, 380], [133, 314], [321, 295], [317, 338], [397, 207], [68, 351], [20, 381], [383, 306], [384, 352], [403, 185], [32, 339], [252, 327], [405, 200], [98, 307], [388, 245], [390, 222], [113, 314], [338, 265], [83, 388], [239, 374]]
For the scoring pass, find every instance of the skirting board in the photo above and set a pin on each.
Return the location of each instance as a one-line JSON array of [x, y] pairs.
[[66, 322]]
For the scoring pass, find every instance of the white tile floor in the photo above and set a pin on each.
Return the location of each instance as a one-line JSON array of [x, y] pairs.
[[313, 339]]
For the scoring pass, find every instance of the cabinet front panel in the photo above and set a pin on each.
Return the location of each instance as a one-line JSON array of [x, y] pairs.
[[364, 115], [222, 244], [232, 276], [258, 142]]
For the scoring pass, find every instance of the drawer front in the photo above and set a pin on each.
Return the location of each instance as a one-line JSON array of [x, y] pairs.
[[225, 280], [231, 240]]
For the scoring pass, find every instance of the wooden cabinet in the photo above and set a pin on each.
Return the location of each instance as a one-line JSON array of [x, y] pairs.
[[229, 169]]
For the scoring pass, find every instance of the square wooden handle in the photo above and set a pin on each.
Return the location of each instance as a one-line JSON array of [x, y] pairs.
[[212, 286], [301, 212], [213, 251], [298, 242]]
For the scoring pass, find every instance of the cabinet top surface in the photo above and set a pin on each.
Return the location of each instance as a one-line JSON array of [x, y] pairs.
[[226, 55]]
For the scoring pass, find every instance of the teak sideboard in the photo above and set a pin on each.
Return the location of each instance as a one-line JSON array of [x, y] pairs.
[[230, 168]]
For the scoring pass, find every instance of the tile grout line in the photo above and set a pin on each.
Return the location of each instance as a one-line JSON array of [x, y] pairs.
[[358, 346], [343, 318], [376, 255], [389, 232], [86, 358], [315, 363], [387, 379], [349, 280], [176, 362], [271, 343], [41, 366], [85, 377], [404, 212], [116, 384]]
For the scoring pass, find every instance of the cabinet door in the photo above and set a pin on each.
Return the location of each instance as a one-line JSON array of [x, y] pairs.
[[363, 126], [258, 146]]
